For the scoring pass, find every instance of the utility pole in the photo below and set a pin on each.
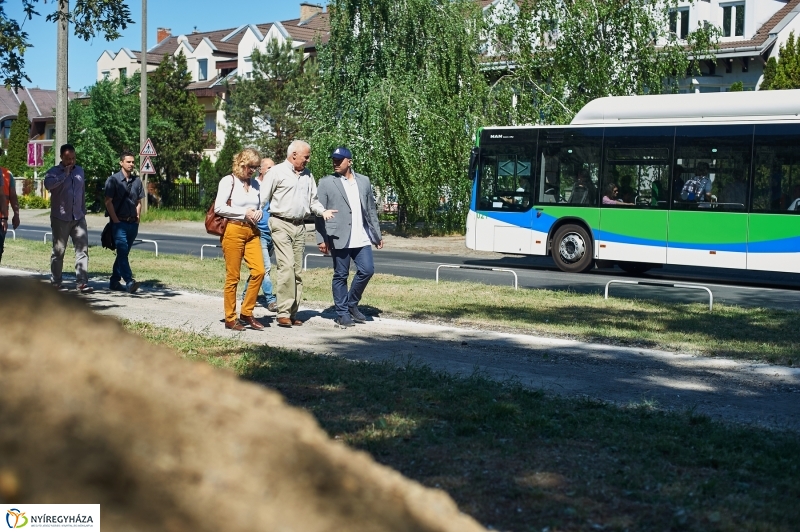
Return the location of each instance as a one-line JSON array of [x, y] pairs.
[[62, 71], [143, 101]]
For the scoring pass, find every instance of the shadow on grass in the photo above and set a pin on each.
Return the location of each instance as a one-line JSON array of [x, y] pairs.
[[517, 459]]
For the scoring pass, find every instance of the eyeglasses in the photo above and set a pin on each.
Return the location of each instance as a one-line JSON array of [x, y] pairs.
[[337, 161], [254, 168], [615, 190]]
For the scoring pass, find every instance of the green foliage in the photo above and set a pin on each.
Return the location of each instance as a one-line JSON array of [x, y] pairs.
[[104, 125], [209, 179], [268, 109], [401, 86], [175, 121], [769, 74], [16, 159], [33, 202], [88, 18], [569, 53], [736, 86], [224, 162], [783, 73]]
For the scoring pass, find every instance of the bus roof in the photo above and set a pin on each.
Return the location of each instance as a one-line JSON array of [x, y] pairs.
[[686, 108]]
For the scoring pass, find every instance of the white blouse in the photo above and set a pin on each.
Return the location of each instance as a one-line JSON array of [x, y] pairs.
[[241, 199]]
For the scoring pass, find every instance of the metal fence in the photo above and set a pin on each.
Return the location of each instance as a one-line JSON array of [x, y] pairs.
[[178, 195]]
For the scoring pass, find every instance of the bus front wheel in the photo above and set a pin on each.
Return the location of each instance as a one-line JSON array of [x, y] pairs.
[[572, 249]]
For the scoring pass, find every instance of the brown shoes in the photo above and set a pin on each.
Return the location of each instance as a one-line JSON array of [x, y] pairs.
[[297, 323], [284, 322], [234, 325], [251, 321]]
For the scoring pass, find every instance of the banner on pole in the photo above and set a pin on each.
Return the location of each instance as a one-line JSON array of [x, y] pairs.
[[35, 154]]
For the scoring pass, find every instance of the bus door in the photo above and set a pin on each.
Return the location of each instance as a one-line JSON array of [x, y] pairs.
[[708, 220], [774, 234], [635, 194], [504, 201]]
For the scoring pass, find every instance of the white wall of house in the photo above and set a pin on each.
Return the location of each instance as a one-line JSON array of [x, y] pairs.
[[110, 65]]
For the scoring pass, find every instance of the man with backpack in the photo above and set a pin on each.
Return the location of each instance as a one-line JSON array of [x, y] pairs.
[[8, 196], [698, 188]]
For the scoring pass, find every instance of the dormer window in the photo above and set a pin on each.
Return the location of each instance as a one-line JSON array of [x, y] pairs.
[[123, 73], [679, 22], [202, 69], [733, 20]]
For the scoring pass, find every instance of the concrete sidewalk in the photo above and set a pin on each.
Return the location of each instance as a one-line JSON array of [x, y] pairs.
[[758, 394]]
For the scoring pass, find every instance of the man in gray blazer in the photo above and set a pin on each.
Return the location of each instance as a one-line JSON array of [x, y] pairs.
[[349, 235]]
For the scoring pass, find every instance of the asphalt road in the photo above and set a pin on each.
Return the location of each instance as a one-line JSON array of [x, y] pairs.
[[751, 289]]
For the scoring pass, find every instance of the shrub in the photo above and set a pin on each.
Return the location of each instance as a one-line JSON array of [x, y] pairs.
[[33, 202]]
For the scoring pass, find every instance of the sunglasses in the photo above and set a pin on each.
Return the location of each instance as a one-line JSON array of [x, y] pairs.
[[337, 161], [254, 168]]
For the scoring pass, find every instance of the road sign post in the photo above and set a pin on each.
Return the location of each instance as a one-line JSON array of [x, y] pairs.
[[146, 167]]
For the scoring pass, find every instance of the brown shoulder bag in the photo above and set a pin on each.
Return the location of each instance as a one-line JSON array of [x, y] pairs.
[[216, 224]]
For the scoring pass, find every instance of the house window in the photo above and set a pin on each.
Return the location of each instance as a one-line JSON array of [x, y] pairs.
[[679, 22], [5, 129], [202, 69], [123, 73], [51, 134], [733, 20], [105, 74]]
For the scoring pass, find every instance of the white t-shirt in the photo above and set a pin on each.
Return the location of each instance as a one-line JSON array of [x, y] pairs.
[[241, 199], [358, 233]]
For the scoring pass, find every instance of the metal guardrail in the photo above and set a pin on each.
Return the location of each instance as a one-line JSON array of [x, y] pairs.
[[44, 238], [486, 268], [149, 241], [666, 285], [305, 259], [13, 233], [207, 246]]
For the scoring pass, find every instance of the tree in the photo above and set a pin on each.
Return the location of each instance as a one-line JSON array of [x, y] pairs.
[[16, 159], [224, 163], [89, 18], [268, 109], [105, 124], [783, 73], [209, 179], [567, 53], [175, 119], [736, 86], [401, 86]]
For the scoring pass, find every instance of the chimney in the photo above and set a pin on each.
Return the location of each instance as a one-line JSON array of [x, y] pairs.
[[308, 10], [162, 33]]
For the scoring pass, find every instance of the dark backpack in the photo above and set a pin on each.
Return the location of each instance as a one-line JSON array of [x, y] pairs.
[[692, 189]]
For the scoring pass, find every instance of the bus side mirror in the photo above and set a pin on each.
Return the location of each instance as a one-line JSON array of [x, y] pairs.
[[473, 162]]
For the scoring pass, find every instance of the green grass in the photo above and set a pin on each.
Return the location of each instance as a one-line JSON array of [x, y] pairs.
[[173, 215], [519, 460], [736, 332]]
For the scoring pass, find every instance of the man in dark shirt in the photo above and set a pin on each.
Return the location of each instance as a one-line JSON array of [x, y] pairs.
[[123, 196]]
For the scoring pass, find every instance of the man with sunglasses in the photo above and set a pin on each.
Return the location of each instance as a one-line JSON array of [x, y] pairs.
[[123, 197], [349, 235]]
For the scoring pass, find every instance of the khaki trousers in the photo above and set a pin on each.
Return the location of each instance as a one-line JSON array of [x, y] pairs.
[[241, 242], [290, 243]]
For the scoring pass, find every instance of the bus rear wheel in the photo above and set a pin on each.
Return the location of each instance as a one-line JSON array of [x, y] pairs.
[[634, 268], [572, 249]]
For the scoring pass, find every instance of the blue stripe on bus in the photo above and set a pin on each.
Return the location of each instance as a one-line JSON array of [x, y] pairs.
[[781, 245]]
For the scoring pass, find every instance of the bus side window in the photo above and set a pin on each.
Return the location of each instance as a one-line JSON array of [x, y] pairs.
[[637, 161], [568, 166], [776, 186]]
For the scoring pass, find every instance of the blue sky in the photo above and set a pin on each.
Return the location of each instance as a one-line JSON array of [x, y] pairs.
[[180, 16]]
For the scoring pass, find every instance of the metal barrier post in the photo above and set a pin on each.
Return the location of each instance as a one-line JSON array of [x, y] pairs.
[[13, 233], [462, 267], [44, 238], [150, 241], [305, 259], [667, 285], [206, 246]]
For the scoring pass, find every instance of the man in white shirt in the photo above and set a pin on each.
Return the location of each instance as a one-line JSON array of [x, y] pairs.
[[291, 192], [349, 234]]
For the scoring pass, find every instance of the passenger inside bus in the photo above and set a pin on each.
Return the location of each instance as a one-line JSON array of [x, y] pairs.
[[610, 198], [523, 197], [795, 204], [698, 188], [677, 182], [584, 191]]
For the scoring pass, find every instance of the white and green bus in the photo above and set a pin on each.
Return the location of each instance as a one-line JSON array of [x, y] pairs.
[[619, 184]]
